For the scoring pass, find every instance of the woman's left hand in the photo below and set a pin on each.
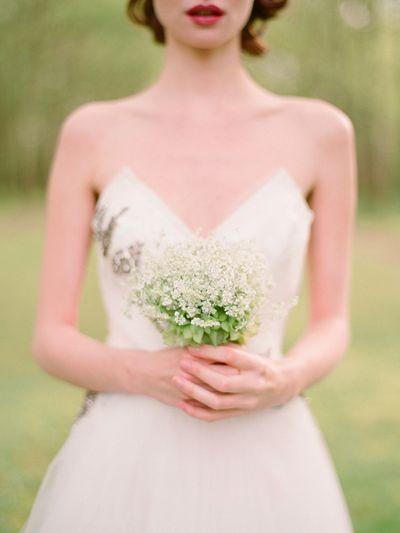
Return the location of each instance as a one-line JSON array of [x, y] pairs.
[[258, 382]]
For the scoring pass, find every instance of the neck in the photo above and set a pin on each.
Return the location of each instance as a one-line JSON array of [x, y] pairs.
[[204, 81]]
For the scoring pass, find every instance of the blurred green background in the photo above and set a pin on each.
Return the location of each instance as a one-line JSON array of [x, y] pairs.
[[58, 55]]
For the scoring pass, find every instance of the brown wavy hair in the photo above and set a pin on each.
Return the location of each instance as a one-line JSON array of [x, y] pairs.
[[142, 12]]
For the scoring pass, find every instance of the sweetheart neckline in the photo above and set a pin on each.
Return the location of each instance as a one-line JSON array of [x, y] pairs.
[[126, 171]]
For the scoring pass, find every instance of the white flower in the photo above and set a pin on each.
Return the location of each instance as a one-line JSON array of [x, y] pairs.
[[204, 289]]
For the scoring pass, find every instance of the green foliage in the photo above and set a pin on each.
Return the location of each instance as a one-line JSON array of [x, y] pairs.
[[172, 288], [189, 335], [58, 55]]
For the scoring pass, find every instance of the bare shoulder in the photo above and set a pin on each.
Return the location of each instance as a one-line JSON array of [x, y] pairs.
[[331, 132], [326, 122], [85, 133], [85, 122], [79, 143], [93, 123]]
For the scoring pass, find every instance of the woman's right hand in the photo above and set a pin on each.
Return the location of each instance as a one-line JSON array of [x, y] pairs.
[[151, 372]]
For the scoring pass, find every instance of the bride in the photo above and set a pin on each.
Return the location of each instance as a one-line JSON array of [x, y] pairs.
[[203, 148]]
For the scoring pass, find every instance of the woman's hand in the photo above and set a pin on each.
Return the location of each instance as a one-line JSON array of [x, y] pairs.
[[256, 383], [151, 372]]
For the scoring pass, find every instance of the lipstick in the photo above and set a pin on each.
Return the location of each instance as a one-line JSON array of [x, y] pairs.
[[205, 14]]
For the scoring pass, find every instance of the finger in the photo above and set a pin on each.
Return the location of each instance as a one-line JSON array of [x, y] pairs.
[[227, 370], [224, 354], [207, 414], [191, 377], [210, 398], [219, 382], [219, 367], [269, 367], [194, 379], [194, 402]]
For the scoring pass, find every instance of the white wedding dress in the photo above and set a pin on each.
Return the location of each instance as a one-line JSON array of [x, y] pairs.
[[132, 464]]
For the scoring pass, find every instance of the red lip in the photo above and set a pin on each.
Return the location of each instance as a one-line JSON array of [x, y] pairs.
[[205, 10]]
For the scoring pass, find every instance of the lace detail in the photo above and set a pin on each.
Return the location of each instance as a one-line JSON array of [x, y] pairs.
[[125, 259], [87, 403], [101, 233]]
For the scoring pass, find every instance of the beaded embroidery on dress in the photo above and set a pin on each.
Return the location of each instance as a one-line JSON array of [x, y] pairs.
[[132, 464]]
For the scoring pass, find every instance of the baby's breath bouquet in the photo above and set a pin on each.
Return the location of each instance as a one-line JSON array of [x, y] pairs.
[[204, 290]]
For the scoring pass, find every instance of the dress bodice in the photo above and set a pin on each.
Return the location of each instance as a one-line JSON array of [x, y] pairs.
[[129, 214]]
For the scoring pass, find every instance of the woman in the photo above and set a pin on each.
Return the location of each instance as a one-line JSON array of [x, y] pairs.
[[204, 148]]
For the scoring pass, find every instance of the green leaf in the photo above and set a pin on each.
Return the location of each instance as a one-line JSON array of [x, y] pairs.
[[206, 338], [235, 335], [188, 331], [222, 315], [181, 341], [169, 337], [214, 337], [225, 326], [221, 336], [198, 335]]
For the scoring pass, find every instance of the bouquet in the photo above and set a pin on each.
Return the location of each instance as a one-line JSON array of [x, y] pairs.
[[204, 290]]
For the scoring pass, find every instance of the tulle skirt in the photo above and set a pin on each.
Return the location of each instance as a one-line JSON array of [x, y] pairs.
[[132, 464]]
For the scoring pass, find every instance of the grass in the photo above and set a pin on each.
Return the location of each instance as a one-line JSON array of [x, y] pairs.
[[355, 406]]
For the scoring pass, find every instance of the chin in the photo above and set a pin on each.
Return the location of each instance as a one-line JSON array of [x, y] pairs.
[[203, 39]]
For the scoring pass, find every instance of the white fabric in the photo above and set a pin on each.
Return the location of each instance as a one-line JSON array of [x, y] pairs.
[[132, 464]]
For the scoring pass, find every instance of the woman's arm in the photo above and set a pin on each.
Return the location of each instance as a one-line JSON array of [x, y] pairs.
[[333, 200], [57, 345]]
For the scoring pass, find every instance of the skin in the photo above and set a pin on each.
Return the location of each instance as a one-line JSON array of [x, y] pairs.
[[204, 129]]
